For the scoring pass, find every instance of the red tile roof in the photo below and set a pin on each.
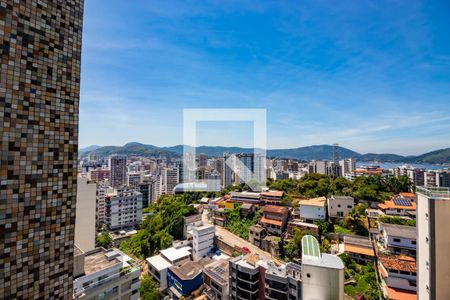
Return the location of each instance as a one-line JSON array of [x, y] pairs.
[[275, 209], [271, 222], [398, 262]]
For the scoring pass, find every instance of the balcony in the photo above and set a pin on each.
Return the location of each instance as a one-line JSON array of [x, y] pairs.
[[81, 292]]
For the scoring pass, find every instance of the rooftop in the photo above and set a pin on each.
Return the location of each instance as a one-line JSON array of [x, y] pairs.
[[408, 195], [364, 242], [390, 204], [275, 209], [245, 195], [219, 271], [319, 201], [359, 249], [434, 192], [409, 232], [273, 194], [342, 198], [100, 259], [325, 260], [310, 246], [270, 221], [173, 254], [398, 262], [187, 271], [158, 262], [256, 228]]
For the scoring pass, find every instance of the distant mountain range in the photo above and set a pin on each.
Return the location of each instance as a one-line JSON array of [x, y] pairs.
[[315, 152]]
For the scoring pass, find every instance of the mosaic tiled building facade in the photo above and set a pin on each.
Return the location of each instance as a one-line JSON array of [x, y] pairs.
[[40, 51]]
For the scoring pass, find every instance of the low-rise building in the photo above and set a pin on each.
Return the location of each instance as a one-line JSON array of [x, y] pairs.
[[220, 216], [158, 265], [105, 274], [275, 219], [309, 228], [339, 206], [202, 240], [398, 239], [271, 197], [118, 237], [399, 206], [256, 234], [184, 279], [216, 278], [398, 276], [245, 197], [313, 209], [359, 248]]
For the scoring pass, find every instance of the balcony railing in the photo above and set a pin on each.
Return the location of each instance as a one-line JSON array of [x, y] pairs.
[[79, 292]]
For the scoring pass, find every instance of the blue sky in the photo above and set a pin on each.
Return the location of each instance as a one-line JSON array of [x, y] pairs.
[[373, 76]]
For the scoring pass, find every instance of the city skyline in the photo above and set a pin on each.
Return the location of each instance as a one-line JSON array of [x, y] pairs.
[[325, 74]]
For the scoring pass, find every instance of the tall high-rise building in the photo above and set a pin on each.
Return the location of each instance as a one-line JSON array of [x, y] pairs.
[[202, 160], [170, 180], [40, 50], [118, 168], [85, 228], [228, 169], [433, 243]]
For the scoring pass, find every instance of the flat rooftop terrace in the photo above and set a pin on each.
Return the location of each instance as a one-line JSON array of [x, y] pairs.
[[97, 261]]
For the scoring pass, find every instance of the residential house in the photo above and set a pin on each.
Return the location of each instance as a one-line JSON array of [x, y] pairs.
[[313, 209], [398, 239], [339, 206], [274, 219]]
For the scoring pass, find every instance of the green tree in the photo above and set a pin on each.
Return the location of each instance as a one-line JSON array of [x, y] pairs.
[[103, 240], [149, 289]]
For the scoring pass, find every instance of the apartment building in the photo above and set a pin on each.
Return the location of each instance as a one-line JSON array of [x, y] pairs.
[[99, 174], [433, 242], [283, 281], [245, 283], [170, 180], [39, 101], [245, 197], [134, 179], [105, 274], [184, 279], [202, 241], [100, 204], [216, 278], [123, 208], [118, 170], [85, 228]]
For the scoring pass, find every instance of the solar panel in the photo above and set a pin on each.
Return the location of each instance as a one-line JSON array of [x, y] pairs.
[[402, 202]]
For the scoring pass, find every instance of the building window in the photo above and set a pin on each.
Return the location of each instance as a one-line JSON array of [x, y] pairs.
[[397, 240], [413, 242], [308, 275]]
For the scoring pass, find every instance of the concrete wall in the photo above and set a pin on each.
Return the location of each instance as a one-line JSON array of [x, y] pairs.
[[85, 214]]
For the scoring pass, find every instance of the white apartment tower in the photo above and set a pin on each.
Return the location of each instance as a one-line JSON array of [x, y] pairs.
[[202, 241], [118, 167], [433, 243], [123, 209]]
